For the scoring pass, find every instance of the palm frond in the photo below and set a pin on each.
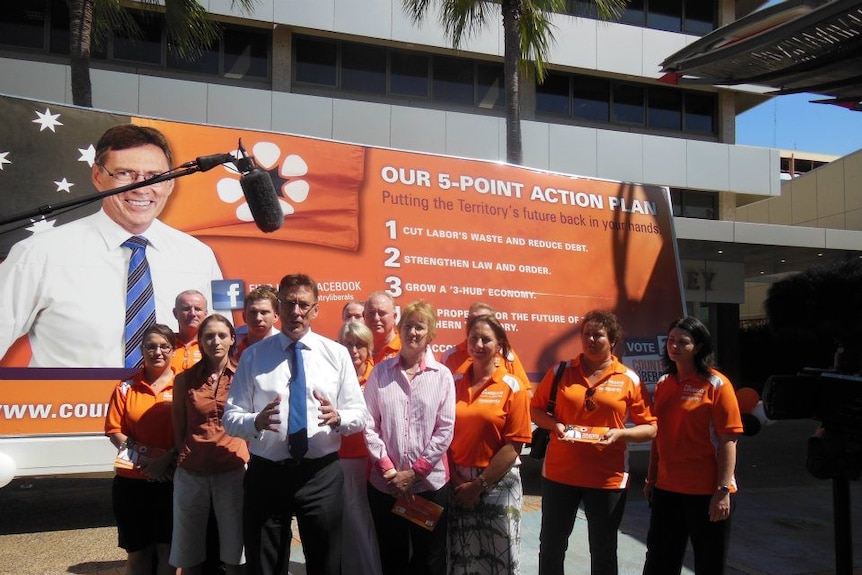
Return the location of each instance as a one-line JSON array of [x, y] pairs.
[[463, 18], [189, 29], [416, 9], [111, 17]]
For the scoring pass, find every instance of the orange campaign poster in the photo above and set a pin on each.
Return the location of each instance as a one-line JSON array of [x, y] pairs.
[[542, 248]]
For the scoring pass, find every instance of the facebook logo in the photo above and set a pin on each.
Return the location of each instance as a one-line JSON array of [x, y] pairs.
[[228, 294]]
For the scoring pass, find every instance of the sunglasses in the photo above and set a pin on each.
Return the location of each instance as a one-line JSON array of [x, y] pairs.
[[589, 402]]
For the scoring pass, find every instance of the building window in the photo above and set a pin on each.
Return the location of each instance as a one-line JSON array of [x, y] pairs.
[[665, 108], [665, 15], [144, 50], [246, 52], [628, 106], [490, 84], [348, 67], [590, 99], [23, 24], [42, 26], [604, 101], [363, 68], [700, 112], [694, 204], [408, 74], [316, 62], [552, 95], [697, 17], [453, 80]]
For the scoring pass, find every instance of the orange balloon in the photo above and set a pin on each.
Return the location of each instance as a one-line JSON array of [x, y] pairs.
[[747, 397]]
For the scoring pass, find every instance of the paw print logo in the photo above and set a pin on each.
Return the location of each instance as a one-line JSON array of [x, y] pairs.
[[286, 175]]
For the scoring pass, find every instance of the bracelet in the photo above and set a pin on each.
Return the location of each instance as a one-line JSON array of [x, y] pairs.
[[484, 483], [649, 482]]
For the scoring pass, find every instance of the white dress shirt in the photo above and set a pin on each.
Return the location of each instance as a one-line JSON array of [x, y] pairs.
[[264, 372], [66, 288]]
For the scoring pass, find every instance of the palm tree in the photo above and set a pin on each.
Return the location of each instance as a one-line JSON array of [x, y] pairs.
[[188, 27], [527, 37]]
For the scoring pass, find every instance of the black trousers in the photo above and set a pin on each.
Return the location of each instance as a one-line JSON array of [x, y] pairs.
[[404, 546], [274, 492], [604, 510], [676, 517]]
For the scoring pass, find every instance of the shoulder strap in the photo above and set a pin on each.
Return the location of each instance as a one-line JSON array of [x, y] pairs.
[[552, 403]]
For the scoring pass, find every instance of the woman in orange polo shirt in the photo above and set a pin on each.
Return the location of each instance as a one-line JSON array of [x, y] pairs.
[[361, 555], [139, 425], [492, 422], [587, 459], [692, 460]]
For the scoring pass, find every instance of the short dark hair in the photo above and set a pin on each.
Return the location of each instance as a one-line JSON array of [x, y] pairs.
[[704, 357], [298, 280], [162, 330], [606, 319], [125, 136]]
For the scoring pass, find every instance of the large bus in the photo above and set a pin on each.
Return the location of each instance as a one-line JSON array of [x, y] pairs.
[[542, 248]]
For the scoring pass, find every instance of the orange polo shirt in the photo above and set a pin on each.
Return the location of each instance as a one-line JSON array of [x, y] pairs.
[[498, 414], [185, 356], [619, 396], [391, 349], [691, 413], [142, 415], [354, 445]]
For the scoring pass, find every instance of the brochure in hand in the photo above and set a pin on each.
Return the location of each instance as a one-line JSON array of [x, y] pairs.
[[420, 511]]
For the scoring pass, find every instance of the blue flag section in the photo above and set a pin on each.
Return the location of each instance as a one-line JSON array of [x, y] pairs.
[[46, 156]]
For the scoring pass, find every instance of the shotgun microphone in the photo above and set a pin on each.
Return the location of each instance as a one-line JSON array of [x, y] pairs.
[[259, 193]]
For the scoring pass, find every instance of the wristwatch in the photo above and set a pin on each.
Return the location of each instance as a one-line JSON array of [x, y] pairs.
[[723, 489]]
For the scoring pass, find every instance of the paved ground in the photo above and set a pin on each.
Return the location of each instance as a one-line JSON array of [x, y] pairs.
[[783, 524]]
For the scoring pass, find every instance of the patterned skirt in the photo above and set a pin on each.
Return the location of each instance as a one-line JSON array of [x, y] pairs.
[[486, 540]]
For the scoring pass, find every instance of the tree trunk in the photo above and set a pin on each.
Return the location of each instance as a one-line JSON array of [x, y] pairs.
[[511, 62], [81, 25]]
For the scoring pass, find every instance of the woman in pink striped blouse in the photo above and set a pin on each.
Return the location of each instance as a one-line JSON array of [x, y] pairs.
[[411, 402]]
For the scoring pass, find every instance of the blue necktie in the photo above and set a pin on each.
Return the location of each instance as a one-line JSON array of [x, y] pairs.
[[140, 302], [297, 421]]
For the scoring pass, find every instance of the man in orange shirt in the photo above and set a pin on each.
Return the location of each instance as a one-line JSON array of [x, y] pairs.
[[259, 313], [190, 309], [380, 317], [457, 358]]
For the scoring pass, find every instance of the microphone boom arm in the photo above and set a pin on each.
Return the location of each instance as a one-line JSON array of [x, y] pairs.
[[48, 209]]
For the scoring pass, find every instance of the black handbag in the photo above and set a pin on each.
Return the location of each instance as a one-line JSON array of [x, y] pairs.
[[542, 436]]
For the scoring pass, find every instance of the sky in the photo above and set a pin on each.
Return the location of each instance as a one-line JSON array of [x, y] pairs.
[[793, 123]]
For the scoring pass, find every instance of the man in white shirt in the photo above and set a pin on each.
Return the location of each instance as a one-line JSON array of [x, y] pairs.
[[66, 287], [282, 481]]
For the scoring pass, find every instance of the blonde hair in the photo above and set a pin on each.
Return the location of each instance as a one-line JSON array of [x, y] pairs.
[[423, 309]]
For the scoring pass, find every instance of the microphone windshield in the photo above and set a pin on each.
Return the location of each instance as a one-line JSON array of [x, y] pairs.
[[262, 200]]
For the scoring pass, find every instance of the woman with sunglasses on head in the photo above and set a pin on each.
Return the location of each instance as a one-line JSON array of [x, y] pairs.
[[587, 459], [211, 463], [139, 425], [692, 460], [492, 423]]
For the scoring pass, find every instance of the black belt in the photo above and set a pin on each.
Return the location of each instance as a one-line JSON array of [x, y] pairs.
[[304, 463]]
